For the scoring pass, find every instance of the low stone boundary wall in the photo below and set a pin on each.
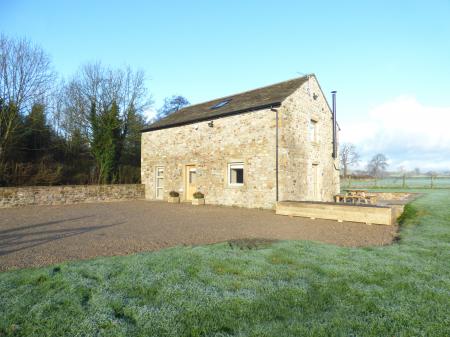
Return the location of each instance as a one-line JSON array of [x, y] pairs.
[[71, 194], [382, 215]]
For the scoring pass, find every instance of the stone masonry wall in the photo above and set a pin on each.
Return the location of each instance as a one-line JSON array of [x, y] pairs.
[[58, 195], [247, 138], [297, 153]]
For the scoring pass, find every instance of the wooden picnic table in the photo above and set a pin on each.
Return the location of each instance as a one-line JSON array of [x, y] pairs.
[[356, 197], [358, 192]]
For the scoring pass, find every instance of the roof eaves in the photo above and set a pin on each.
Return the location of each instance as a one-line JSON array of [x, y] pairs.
[[209, 118]]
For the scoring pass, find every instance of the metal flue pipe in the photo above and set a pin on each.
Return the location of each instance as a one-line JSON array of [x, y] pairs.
[[333, 95]]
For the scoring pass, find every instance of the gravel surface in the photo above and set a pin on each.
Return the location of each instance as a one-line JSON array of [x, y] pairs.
[[40, 235]]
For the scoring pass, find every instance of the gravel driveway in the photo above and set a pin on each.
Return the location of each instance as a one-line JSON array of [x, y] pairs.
[[41, 235]]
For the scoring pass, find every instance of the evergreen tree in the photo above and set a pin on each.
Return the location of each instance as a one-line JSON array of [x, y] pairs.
[[130, 159], [105, 139], [37, 135]]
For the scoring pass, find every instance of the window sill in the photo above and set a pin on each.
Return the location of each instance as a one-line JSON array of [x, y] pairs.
[[235, 186]]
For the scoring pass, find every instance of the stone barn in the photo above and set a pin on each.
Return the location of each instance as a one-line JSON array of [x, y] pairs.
[[250, 149]]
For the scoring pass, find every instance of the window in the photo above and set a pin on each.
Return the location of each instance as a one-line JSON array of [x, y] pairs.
[[192, 175], [312, 130], [236, 174], [221, 104], [159, 182]]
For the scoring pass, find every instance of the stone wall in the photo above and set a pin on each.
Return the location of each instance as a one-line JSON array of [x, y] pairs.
[[58, 195], [248, 138], [298, 153]]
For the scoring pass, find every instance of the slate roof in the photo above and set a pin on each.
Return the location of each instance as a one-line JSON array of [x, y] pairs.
[[257, 99]]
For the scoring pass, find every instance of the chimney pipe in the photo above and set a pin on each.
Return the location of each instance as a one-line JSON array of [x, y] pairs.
[[333, 95]]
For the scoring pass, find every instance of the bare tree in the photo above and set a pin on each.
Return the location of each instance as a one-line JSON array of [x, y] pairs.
[[25, 78], [89, 97], [99, 85], [348, 156], [432, 174], [25, 72], [377, 165]]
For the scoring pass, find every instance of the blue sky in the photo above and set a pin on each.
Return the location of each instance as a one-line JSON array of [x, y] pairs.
[[388, 60]]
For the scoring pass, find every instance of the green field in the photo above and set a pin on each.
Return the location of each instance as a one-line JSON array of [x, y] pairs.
[[290, 288], [398, 182]]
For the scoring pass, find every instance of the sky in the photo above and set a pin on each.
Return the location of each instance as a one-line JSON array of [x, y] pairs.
[[388, 60]]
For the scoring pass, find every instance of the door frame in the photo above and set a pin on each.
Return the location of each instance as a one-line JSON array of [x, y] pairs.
[[157, 167], [316, 195]]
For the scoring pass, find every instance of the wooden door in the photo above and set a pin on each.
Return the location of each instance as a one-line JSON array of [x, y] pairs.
[[191, 181], [316, 188]]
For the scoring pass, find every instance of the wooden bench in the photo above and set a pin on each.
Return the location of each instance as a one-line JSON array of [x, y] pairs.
[[339, 198]]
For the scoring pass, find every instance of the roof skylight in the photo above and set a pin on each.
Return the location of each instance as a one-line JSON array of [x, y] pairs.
[[221, 104]]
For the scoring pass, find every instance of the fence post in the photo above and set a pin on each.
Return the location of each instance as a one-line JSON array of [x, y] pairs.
[[431, 183], [404, 182]]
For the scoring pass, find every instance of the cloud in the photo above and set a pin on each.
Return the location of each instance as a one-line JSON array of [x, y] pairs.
[[409, 133]]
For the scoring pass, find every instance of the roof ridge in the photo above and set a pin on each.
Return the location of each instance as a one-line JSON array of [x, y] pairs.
[[246, 91]]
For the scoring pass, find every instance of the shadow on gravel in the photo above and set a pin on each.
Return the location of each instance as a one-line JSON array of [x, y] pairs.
[[16, 239], [42, 224]]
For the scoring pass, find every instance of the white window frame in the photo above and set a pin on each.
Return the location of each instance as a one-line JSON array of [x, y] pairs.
[[159, 178], [312, 130], [235, 165]]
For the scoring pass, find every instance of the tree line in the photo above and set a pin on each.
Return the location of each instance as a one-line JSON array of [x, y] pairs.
[[349, 157], [84, 130], [375, 168]]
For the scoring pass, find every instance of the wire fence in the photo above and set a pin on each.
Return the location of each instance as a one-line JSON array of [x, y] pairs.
[[397, 182]]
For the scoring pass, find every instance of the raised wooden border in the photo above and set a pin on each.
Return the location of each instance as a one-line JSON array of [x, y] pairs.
[[371, 214]]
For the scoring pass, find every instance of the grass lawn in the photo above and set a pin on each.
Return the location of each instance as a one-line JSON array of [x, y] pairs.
[[289, 288]]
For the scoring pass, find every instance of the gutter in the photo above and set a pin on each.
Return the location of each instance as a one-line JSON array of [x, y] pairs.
[[276, 154], [208, 118]]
